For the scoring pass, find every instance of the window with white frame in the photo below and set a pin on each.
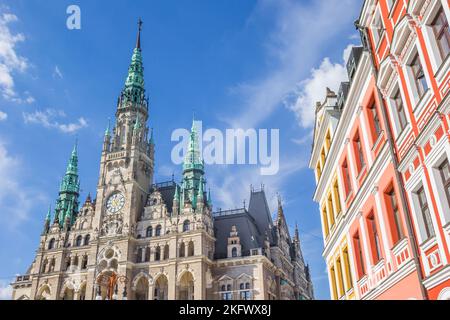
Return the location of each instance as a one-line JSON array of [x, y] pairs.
[[398, 111], [377, 27], [424, 215], [418, 81], [437, 31]]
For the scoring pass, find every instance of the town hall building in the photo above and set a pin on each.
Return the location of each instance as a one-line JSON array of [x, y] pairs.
[[142, 240]]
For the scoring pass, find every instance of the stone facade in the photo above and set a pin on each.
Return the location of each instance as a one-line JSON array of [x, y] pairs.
[[144, 241]]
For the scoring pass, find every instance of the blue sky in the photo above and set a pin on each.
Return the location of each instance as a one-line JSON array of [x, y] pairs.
[[245, 64]]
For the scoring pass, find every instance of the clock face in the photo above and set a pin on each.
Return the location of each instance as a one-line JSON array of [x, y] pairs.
[[115, 203]]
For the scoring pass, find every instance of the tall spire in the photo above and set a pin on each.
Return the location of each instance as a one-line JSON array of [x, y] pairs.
[[297, 235], [69, 191], [280, 213], [138, 41], [72, 167], [47, 220], [108, 128], [134, 91], [193, 158]]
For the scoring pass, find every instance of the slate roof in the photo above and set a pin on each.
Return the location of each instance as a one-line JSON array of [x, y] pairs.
[[167, 190], [251, 225]]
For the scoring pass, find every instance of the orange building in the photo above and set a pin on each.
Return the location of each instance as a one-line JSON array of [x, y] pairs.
[[381, 155]]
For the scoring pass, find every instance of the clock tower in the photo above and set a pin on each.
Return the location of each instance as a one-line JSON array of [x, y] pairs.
[[127, 162]]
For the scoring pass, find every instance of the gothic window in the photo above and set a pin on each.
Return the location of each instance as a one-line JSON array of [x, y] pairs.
[[44, 266], [78, 241], [149, 232], [190, 249], [166, 252], [186, 226], [52, 265], [234, 252], [75, 261], [87, 239], [186, 287], [158, 253], [161, 288], [147, 254], [139, 256], [158, 231], [68, 263], [182, 250], [84, 262], [51, 244]]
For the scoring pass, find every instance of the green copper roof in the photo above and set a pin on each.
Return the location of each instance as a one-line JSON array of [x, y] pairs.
[[134, 91], [209, 197], [193, 160], [108, 129], [49, 214], [67, 202]]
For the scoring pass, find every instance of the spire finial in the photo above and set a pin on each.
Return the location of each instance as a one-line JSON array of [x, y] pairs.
[[107, 132], [49, 213], [138, 41]]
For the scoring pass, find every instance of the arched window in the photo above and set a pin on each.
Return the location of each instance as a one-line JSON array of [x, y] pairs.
[[149, 232], [158, 231], [223, 288], [75, 261], [51, 244], [87, 239], [234, 252], [78, 241], [166, 252], [139, 256], [247, 285], [190, 249], [186, 226], [68, 263], [182, 250], [84, 262], [241, 286], [147, 254], [44, 266], [158, 253], [52, 265], [229, 287]]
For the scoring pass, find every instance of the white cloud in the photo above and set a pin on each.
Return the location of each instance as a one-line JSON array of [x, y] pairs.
[[3, 116], [5, 291], [16, 199], [302, 30], [10, 60], [313, 89], [49, 119], [57, 73]]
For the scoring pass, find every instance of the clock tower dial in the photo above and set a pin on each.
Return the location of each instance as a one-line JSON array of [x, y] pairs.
[[115, 203]]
